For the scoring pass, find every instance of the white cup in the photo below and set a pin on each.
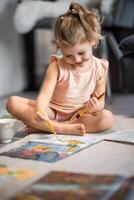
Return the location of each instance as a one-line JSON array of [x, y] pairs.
[[7, 130]]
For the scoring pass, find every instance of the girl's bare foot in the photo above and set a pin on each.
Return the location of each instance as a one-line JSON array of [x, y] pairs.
[[71, 129]]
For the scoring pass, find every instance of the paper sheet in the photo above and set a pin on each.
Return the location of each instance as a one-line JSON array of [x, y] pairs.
[[125, 136]]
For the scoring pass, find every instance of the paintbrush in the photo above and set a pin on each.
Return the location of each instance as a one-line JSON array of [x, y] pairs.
[[84, 109], [47, 122]]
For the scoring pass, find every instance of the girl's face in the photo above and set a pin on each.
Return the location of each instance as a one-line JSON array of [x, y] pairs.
[[78, 54]]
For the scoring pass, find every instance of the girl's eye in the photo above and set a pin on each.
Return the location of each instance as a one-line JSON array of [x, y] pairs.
[[81, 53], [68, 56]]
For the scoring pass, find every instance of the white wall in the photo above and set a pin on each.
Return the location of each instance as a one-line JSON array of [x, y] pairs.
[[12, 75]]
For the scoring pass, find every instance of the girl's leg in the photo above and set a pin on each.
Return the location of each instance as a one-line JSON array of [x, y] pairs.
[[102, 121], [87, 123], [20, 107], [24, 110]]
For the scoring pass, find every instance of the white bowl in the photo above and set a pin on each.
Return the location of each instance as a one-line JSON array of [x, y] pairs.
[[7, 130]]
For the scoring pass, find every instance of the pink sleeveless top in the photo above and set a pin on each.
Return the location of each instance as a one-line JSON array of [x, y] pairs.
[[75, 85]]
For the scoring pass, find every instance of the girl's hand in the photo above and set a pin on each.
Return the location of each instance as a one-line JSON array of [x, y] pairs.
[[93, 105], [41, 116]]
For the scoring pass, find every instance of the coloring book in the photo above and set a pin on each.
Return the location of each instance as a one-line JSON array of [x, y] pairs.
[[49, 147], [68, 185]]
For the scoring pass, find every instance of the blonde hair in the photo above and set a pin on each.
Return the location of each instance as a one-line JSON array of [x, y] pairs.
[[78, 24]]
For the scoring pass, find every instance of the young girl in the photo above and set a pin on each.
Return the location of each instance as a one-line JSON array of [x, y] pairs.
[[74, 80]]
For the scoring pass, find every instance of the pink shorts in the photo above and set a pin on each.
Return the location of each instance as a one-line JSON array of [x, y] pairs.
[[61, 117]]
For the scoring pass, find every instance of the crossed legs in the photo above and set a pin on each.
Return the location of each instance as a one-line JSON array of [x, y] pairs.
[[24, 109]]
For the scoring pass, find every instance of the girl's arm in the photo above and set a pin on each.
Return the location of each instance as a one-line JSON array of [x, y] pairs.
[[48, 87], [95, 103]]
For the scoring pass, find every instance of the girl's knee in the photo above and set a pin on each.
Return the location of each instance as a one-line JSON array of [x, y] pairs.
[[106, 120], [11, 102]]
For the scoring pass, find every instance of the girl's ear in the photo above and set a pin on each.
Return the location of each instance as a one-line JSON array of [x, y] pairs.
[[92, 43]]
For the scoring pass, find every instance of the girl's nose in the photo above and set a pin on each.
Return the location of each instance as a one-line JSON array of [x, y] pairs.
[[77, 59]]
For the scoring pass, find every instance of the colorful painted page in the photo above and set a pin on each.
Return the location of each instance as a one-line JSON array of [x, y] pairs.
[[14, 173], [67, 186], [50, 148], [11, 176]]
